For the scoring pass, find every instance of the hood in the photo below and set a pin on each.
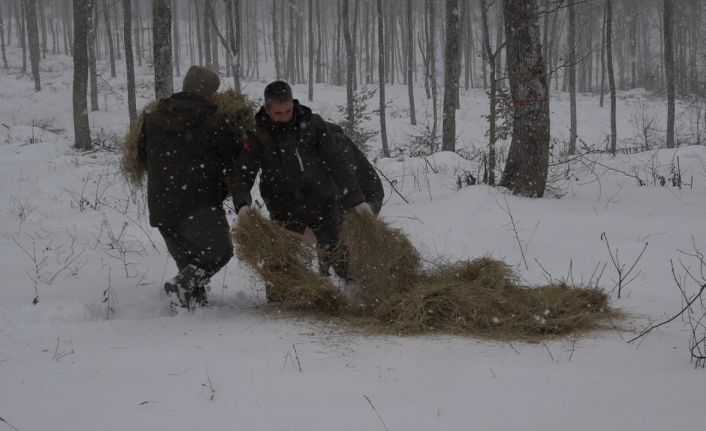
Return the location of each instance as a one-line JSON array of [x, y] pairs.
[[301, 117], [183, 111]]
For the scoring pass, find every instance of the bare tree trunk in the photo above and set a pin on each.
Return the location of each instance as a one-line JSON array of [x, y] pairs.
[[350, 68], [92, 67], [381, 79], [111, 47], [528, 158], [199, 32], [82, 132], [207, 14], [43, 24], [275, 40], [291, 66], [175, 37], [448, 141], [603, 46], [22, 28], [410, 63], [431, 59], [489, 58], [669, 68], [33, 36], [572, 76], [162, 50], [129, 61], [611, 75], [311, 50], [2, 40]]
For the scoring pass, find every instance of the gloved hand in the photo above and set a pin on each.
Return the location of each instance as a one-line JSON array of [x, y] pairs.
[[243, 211], [363, 209]]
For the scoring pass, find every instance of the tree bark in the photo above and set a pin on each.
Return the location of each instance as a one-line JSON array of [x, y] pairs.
[[489, 58], [668, 15], [2, 40], [611, 75], [311, 50], [381, 79], [448, 141], [350, 68], [109, 32], [431, 59], [162, 50], [410, 64], [92, 66], [33, 36], [572, 76], [82, 132], [129, 61], [528, 158], [175, 37]]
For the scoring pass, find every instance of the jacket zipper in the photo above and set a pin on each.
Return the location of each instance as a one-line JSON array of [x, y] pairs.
[[301, 164]]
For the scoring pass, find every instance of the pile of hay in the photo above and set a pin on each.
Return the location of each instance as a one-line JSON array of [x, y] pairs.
[[283, 261], [237, 108], [132, 169], [381, 259], [481, 297]]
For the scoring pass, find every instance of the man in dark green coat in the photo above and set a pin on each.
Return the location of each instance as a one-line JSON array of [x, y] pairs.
[[189, 152], [306, 180]]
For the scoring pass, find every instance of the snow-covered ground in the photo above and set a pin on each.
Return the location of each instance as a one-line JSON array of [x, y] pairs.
[[99, 350]]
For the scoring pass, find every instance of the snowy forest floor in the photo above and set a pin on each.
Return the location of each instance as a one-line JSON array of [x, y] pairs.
[[99, 349]]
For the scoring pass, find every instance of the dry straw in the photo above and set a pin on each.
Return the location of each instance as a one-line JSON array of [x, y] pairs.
[[283, 260], [481, 297], [237, 108]]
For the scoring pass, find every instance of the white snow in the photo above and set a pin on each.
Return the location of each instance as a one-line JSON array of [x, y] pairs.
[[99, 350]]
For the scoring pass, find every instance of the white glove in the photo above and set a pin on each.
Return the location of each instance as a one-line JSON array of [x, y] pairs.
[[363, 209]]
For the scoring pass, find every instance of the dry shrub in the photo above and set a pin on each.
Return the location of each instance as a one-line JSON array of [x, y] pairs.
[[237, 108], [381, 259], [482, 297], [282, 260]]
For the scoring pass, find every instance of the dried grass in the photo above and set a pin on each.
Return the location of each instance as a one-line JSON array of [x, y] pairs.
[[283, 261], [237, 108], [481, 297], [381, 259]]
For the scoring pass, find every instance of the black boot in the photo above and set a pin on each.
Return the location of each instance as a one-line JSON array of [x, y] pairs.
[[182, 287]]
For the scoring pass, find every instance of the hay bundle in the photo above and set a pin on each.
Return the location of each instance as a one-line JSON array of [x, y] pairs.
[[381, 259], [282, 260], [482, 297], [131, 168], [237, 108]]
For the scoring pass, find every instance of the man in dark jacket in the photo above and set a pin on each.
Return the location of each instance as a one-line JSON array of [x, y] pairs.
[[189, 151], [306, 180]]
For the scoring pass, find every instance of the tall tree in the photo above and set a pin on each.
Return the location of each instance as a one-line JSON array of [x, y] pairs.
[[410, 63], [668, 16], [611, 75], [2, 41], [33, 36], [175, 37], [129, 61], [162, 51], [431, 60], [528, 158], [275, 42], [92, 65], [311, 50], [489, 57], [109, 33], [82, 132], [350, 68], [572, 76], [381, 79], [451, 65]]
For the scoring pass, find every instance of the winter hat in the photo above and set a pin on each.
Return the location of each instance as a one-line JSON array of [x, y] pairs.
[[201, 81]]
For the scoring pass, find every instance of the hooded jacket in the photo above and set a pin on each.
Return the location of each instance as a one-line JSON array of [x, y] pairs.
[[303, 168], [189, 152]]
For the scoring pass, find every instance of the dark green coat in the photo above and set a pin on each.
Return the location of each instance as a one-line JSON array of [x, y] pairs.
[[302, 168], [189, 152], [365, 173]]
